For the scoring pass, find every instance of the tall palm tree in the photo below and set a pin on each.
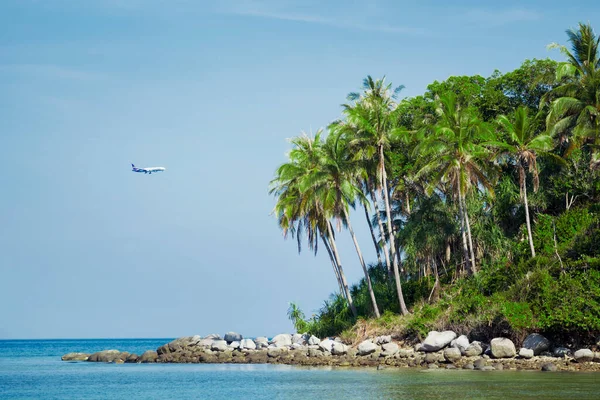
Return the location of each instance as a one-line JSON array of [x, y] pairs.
[[370, 116], [520, 147], [453, 154], [575, 105], [333, 183], [301, 213]]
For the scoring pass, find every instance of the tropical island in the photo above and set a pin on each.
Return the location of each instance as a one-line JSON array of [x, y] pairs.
[[482, 197]]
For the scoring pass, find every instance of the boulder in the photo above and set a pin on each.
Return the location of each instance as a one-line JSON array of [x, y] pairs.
[[389, 349], [213, 336], [468, 366], [298, 338], [75, 357], [526, 353], [437, 340], [313, 340], [326, 345], [474, 349], [207, 342], [434, 357], [133, 358], [178, 344], [406, 353], [339, 348], [274, 352], [461, 343], [149, 356], [234, 345], [232, 337], [561, 352], [219, 345], [503, 348], [261, 342], [597, 356], [298, 346], [549, 367], [452, 354], [537, 343], [479, 364], [383, 339], [282, 340], [104, 356], [247, 344], [583, 355], [366, 347]]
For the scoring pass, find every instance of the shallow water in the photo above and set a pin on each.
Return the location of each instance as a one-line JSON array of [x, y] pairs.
[[32, 369]]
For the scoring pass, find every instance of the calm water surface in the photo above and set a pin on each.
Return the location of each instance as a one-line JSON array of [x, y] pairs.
[[32, 369]]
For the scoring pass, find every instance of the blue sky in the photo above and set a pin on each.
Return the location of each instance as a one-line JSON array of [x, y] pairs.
[[211, 91]]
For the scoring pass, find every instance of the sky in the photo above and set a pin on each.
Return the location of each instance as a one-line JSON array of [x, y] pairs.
[[211, 91]]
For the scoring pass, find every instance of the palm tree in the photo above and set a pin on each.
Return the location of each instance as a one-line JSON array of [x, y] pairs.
[[370, 119], [333, 183], [520, 148], [301, 213], [575, 105], [453, 154]]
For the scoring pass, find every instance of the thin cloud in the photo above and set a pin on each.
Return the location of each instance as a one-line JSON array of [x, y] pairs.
[[337, 22], [50, 71], [502, 17]]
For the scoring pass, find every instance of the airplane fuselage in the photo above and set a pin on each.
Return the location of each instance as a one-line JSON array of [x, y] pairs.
[[148, 170]]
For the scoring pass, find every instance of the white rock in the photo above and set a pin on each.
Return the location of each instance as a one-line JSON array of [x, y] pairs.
[[219, 345], [207, 342], [313, 340], [503, 348], [437, 340], [298, 346], [282, 340], [338, 348], [389, 349], [213, 336], [461, 343], [248, 344], [526, 353], [326, 345], [234, 345], [383, 339], [297, 338], [366, 347], [474, 349], [583, 355], [452, 354], [261, 342]]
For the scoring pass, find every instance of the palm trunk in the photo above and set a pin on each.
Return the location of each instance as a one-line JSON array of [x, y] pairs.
[[334, 265], [362, 264], [372, 234], [527, 219], [341, 270], [473, 264], [386, 253], [461, 213], [388, 214]]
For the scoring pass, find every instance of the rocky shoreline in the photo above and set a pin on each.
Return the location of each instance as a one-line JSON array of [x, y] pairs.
[[444, 350]]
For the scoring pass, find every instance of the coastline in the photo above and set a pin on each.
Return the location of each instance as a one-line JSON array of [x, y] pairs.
[[440, 350]]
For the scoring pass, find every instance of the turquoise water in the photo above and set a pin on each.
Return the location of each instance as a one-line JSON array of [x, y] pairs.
[[32, 369]]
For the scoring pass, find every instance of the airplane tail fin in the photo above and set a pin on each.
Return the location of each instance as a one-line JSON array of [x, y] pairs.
[[132, 166]]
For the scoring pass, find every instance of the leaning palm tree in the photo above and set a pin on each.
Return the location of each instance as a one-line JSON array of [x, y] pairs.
[[333, 183], [575, 105], [453, 154], [301, 213], [520, 148], [369, 116]]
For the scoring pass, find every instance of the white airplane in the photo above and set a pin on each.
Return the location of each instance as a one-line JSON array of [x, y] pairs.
[[149, 170]]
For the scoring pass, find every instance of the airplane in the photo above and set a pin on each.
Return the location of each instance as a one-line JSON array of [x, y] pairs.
[[147, 170]]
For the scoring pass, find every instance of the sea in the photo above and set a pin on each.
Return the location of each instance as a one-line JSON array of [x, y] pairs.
[[32, 369]]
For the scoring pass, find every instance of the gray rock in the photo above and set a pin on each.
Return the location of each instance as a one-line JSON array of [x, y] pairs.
[[233, 337], [432, 366], [261, 342], [313, 340], [206, 342], [366, 347], [549, 367], [561, 352], [450, 366], [298, 346], [274, 352], [383, 339], [389, 349], [149, 356], [452, 354], [326, 345], [133, 358], [584, 355], [474, 349], [537, 343], [434, 357], [437, 340], [298, 338], [338, 348], [104, 356], [461, 343], [219, 345], [213, 336], [248, 344], [405, 353], [234, 345], [282, 340], [526, 353], [468, 366], [503, 348], [499, 367], [479, 363], [75, 357]]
